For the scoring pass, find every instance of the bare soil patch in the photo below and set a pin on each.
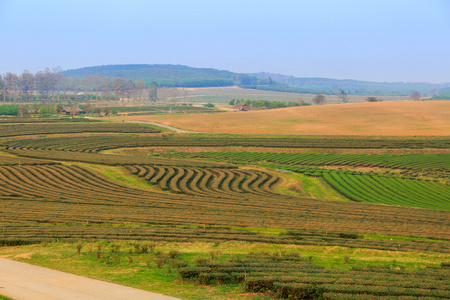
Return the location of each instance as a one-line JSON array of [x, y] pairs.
[[382, 118]]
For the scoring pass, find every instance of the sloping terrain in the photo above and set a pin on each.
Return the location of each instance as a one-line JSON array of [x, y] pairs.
[[381, 118]]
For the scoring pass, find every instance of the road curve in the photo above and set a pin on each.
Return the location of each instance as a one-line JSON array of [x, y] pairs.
[[167, 127], [23, 281]]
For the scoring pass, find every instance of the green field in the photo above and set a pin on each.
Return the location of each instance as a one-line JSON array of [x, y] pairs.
[[203, 217]]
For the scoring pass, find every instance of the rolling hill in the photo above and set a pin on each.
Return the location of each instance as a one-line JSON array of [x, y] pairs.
[[380, 118], [184, 76]]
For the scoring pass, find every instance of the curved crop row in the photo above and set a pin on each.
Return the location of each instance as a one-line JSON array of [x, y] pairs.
[[206, 182]]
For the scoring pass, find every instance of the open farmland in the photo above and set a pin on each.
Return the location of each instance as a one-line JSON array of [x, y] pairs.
[[82, 183], [381, 118], [225, 94]]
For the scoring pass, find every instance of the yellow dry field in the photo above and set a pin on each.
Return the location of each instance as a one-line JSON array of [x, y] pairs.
[[381, 118]]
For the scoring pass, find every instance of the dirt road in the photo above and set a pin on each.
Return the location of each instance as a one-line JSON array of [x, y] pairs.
[[23, 281]]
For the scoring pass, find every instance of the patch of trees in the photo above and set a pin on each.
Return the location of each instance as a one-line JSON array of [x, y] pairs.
[[51, 86], [416, 96], [287, 89], [373, 99], [319, 99], [265, 104]]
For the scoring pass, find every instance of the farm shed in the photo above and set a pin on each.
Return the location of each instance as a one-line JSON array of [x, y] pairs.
[[67, 109], [241, 107]]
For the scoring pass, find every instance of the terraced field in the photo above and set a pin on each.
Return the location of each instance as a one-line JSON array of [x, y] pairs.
[[58, 128], [51, 189], [73, 194], [418, 163], [222, 183], [291, 277]]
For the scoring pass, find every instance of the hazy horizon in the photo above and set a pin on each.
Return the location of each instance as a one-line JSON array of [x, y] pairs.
[[382, 41]]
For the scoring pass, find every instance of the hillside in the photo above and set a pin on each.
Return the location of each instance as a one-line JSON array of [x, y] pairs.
[[184, 76], [168, 75], [382, 118], [354, 87]]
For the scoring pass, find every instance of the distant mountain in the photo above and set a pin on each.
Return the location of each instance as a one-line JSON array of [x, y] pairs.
[[328, 85], [167, 75], [184, 76]]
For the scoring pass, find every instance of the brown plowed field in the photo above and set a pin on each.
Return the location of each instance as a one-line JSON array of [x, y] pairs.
[[381, 118]]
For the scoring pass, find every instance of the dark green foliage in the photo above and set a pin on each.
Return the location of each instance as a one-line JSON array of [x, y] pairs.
[[290, 277], [374, 99], [9, 110], [164, 75], [265, 104]]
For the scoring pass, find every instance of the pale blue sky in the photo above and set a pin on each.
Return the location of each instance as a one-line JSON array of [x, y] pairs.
[[383, 40]]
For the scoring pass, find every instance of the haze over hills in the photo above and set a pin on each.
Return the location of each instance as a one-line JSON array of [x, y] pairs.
[[185, 76]]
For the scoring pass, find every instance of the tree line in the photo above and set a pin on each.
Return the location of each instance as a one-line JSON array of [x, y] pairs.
[[52, 86], [265, 104]]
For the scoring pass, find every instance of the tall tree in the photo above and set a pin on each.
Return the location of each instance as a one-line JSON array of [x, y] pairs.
[[153, 92], [163, 94], [74, 84], [129, 89], [44, 82], [416, 96], [343, 96], [1, 85], [26, 82], [106, 87], [319, 99], [173, 93], [10, 84], [118, 87], [140, 88], [97, 84]]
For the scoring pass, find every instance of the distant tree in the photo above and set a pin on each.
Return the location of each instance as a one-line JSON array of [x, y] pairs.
[[319, 99], [44, 82], [23, 111], [98, 110], [106, 111], [10, 81], [87, 108], [373, 99], [106, 87], [118, 87], [140, 88], [173, 93], [416, 96], [232, 102], [72, 111], [153, 92], [210, 105], [343, 96], [97, 84], [26, 82], [185, 93], [163, 94], [74, 84]]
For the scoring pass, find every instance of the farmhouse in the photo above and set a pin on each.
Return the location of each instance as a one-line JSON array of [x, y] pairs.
[[74, 109], [241, 107]]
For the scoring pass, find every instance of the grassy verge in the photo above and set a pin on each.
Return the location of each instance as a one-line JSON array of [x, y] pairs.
[[296, 184], [119, 175], [154, 270]]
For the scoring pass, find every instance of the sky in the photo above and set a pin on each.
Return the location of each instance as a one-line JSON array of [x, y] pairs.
[[383, 40]]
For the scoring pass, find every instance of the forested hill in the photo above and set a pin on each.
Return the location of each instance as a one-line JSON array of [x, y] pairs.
[[166, 75], [325, 85], [184, 76]]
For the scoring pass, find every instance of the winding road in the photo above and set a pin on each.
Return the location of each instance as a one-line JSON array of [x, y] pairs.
[[23, 281]]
